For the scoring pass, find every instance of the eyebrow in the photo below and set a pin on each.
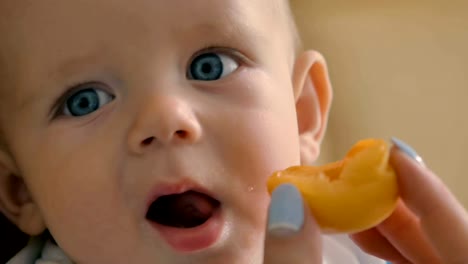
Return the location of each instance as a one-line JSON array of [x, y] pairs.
[[74, 64], [233, 31], [68, 67]]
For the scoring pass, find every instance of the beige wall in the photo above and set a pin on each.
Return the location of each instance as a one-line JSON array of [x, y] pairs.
[[399, 68]]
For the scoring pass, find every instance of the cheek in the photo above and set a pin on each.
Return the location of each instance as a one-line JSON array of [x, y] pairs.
[[261, 133], [268, 140], [79, 193], [74, 169], [258, 133], [264, 143], [258, 140]]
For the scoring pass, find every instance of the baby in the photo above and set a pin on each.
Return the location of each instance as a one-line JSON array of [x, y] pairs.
[[144, 132]]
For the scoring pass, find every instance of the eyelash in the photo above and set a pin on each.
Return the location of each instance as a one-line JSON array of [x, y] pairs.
[[57, 108], [237, 55]]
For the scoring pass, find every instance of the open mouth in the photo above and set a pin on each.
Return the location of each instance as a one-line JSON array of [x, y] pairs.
[[184, 210]]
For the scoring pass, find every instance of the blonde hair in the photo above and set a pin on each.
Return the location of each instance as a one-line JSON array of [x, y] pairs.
[[296, 37]]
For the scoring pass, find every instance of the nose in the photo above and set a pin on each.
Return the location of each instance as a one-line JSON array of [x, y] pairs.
[[163, 121]]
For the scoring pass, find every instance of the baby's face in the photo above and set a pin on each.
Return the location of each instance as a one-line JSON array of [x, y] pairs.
[[112, 107]]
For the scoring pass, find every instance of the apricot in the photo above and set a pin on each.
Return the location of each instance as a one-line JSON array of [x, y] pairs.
[[350, 195]]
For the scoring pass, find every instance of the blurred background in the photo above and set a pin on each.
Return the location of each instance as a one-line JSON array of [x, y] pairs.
[[398, 68]]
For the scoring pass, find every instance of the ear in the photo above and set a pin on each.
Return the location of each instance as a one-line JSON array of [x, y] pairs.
[[313, 95], [15, 200]]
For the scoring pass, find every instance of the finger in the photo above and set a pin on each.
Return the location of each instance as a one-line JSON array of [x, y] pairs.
[[403, 230], [292, 235], [374, 243], [443, 219]]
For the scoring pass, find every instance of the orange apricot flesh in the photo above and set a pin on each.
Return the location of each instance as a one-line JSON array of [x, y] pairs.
[[350, 195]]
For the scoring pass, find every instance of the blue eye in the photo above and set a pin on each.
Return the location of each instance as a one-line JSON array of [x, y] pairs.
[[86, 101], [211, 67]]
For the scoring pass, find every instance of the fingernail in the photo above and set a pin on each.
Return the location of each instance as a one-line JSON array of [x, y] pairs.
[[409, 151], [286, 213]]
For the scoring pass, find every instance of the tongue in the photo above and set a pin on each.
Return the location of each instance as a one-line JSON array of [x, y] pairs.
[[193, 204]]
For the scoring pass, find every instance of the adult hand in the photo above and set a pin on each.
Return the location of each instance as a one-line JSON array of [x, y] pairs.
[[429, 224], [292, 235]]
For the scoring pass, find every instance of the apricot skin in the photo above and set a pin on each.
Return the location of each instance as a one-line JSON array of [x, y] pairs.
[[347, 196]]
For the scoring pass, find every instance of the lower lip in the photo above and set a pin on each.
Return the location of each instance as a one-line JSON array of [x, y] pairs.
[[193, 239]]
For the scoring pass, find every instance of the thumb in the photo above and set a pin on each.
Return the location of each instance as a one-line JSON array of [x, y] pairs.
[[292, 235]]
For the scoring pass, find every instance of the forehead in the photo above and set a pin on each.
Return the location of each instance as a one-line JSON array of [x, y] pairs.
[[62, 20], [50, 37]]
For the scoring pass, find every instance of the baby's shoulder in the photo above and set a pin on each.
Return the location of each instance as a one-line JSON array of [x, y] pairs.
[[40, 250], [30, 253]]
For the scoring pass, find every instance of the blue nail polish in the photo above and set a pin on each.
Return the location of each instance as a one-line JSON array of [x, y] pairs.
[[409, 151], [286, 213]]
